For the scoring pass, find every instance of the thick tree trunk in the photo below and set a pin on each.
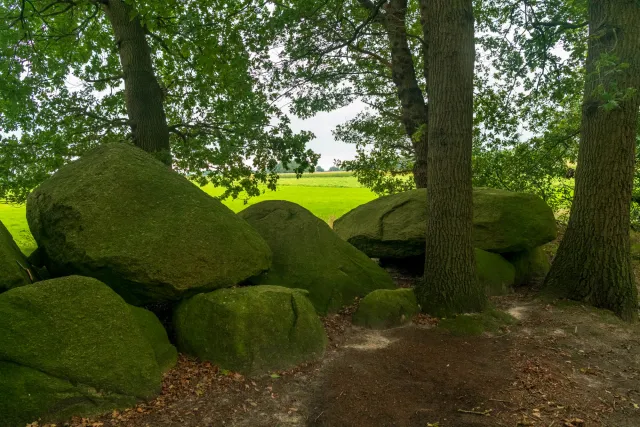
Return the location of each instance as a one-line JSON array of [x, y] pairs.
[[450, 284], [414, 109], [593, 262], [143, 94]]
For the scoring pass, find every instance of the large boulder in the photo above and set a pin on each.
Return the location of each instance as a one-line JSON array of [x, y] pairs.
[[71, 346], [155, 334], [12, 262], [123, 217], [386, 308], [495, 274], [395, 226], [250, 329], [531, 266], [307, 254]]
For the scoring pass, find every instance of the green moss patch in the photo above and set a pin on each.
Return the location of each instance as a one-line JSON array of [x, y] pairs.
[[119, 215], [394, 226], [495, 274], [251, 329], [477, 323], [307, 254], [156, 335], [385, 308], [531, 266], [71, 346]]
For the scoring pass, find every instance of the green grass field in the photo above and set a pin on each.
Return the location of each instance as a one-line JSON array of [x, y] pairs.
[[328, 195]]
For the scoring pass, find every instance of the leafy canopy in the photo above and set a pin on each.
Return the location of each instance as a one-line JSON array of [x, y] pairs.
[[61, 90], [529, 79]]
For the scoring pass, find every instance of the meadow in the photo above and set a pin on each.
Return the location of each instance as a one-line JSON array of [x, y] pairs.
[[328, 195]]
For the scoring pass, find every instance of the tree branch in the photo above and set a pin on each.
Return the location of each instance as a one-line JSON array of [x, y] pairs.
[[374, 55], [182, 136], [563, 25], [373, 16], [162, 43], [120, 121], [105, 79]]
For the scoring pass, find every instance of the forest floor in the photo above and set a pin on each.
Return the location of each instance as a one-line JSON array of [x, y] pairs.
[[562, 364]]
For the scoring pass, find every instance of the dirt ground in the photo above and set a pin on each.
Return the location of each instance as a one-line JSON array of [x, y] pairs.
[[562, 364]]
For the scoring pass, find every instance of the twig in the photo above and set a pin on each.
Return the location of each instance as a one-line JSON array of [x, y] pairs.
[[498, 400], [27, 270], [105, 79], [485, 413]]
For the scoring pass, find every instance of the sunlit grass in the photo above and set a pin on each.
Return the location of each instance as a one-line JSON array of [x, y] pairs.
[[13, 217], [321, 179]]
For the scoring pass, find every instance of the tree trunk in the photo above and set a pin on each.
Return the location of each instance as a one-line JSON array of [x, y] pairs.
[[593, 262], [414, 109], [450, 284], [143, 96]]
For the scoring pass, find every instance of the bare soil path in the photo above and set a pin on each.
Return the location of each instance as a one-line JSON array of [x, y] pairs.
[[562, 365]]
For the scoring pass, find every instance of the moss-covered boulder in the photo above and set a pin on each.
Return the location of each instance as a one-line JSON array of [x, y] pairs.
[[150, 326], [71, 346], [386, 308], [531, 266], [494, 273], [307, 254], [250, 329], [12, 262], [394, 226], [121, 216]]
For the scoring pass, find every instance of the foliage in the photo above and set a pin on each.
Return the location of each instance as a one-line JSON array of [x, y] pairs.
[[289, 167], [528, 88], [334, 53], [529, 84], [63, 91], [319, 168]]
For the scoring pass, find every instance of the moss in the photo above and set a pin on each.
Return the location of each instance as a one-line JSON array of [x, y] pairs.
[[121, 216], [307, 254], [385, 308], [28, 395], [76, 330], [495, 274], [394, 226], [531, 266], [156, 335], [490, 320], [12, 261], [604, 315], [252, 329]]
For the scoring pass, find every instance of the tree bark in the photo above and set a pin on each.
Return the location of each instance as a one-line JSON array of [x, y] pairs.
[[414, 108], [143, 95], [450, 284], [593, 262]]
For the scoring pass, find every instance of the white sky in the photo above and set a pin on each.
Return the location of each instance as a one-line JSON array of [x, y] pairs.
[[324, 143]]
